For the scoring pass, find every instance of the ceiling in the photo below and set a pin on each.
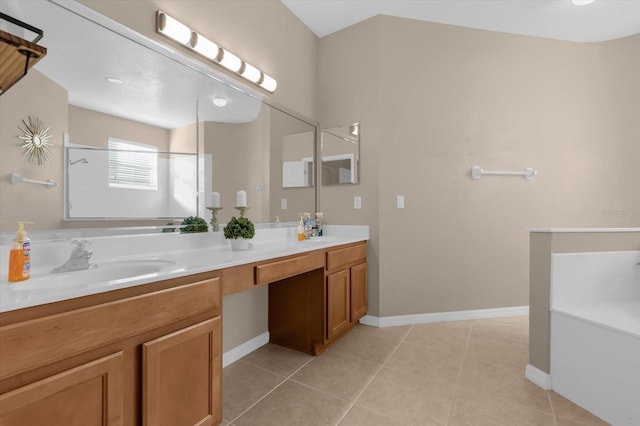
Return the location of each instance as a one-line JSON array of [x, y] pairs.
[[555, 19]]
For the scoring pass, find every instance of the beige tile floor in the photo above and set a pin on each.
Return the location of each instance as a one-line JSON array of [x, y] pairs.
[[452, 373]]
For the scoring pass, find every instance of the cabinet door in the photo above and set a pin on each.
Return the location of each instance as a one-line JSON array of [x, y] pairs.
[[182, 377], [358, 291], [337, 303], [87, 395]]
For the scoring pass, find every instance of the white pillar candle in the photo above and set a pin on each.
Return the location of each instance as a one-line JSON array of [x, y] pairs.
[[241, 199], [215, 199]]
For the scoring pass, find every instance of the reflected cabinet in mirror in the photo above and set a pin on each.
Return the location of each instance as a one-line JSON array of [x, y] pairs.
[[340, 152], [143, 138]]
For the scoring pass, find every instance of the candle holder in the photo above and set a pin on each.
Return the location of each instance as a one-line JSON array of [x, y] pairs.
[[214, 218], [242, 210]]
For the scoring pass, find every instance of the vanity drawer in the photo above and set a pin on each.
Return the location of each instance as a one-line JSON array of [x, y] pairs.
[[34, 343], [337, 259], [274, 271]]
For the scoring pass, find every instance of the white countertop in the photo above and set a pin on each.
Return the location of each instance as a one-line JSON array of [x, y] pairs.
[[179, 254]]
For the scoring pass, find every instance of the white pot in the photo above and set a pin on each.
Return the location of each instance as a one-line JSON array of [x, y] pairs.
[[240, 244]]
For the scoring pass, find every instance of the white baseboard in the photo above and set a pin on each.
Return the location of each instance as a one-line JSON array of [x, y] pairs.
[[244, 349], [538, 377], [444, 316]]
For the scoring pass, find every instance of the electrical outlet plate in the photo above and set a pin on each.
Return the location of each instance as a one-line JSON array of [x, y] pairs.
[[283, 204], [400, 202], [357, 202]]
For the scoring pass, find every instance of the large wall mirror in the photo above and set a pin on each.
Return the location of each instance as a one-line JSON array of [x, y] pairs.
[[143, 138], [246, 155], [340, 151]]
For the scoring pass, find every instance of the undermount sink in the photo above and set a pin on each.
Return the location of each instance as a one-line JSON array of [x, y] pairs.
[[109, 272]]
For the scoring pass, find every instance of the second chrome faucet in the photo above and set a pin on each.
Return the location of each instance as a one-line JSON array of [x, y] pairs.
[[79, 259]]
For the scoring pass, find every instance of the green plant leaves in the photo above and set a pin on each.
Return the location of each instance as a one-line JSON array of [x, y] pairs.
[[239, 227], [194, 224]]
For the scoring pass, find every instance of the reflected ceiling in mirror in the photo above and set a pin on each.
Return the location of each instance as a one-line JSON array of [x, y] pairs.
[[108, 72], [340, 151]]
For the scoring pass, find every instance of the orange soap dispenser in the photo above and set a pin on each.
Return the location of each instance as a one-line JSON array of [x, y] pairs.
[[20, 256]]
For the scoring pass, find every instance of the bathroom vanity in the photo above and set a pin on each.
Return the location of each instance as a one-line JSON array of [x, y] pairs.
[[149, 351]]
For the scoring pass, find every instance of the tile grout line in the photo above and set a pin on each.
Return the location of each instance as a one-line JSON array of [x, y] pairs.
[[464, 358], [364, 388], [272, 390], [553, 411]]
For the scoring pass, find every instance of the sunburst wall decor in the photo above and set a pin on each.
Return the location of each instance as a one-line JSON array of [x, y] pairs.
[[36, 140]]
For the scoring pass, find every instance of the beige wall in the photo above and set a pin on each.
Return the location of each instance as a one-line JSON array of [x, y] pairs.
[[92, 128], [542, 246], [30, 202], [262, 32], [183, 139], [246, 316], [348, 87], [246, 144], [449, 98]]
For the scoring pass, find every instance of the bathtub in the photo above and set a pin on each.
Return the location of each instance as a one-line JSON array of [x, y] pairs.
[[595, 333]]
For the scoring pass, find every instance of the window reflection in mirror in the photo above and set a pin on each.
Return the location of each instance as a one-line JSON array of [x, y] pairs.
[[129, 183], [116, 168], [340, 150]]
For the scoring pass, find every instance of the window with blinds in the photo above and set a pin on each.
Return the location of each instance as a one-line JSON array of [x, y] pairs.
[[132, 165]]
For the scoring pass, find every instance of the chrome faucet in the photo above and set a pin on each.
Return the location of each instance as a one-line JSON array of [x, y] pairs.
[[79, 259]]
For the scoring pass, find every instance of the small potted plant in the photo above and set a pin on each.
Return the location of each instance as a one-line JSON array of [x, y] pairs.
[[194, 224], [239, 230]]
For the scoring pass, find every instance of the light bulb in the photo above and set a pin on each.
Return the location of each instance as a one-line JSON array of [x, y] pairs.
[[251, 73], [220, 102], [173, 28], [268, 83], [230, 61], [205, 47]]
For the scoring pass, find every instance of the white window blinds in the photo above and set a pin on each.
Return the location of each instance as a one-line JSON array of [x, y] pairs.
[[132, 165]]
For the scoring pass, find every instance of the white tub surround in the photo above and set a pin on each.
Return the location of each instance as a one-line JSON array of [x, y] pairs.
[[175, 254], [595, 332], [544, 242]]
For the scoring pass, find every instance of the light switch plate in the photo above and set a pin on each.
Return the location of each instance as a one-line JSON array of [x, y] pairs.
[[283, 204], [357, 202], [400, 202]]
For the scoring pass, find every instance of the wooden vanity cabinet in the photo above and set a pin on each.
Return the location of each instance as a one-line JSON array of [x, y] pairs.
[[182, 377], [310, 310], [346, 288], [338, 305], [148, 355], [358, 291], [89, 394]]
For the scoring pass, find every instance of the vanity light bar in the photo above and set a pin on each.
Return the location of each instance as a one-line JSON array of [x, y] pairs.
[[177, 31]]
